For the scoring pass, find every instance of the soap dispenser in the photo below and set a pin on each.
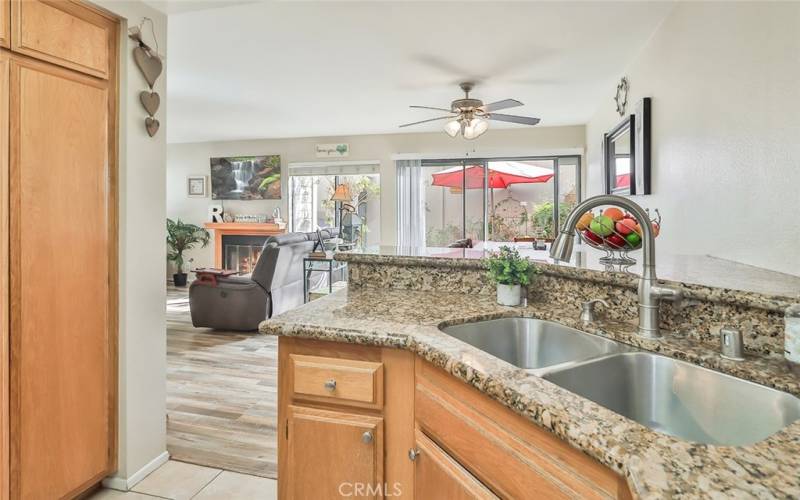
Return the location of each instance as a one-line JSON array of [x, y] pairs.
[[791, 337]]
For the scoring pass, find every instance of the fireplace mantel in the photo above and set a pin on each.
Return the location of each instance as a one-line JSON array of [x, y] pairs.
[[241, 229]]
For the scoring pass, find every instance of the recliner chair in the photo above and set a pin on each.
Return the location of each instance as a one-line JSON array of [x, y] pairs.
[[275, 286]]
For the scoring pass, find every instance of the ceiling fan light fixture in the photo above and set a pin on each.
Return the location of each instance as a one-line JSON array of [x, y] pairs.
[[475, 127], [453, 127]]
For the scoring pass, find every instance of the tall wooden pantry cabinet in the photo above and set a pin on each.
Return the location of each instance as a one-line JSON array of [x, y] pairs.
[[58, 248]]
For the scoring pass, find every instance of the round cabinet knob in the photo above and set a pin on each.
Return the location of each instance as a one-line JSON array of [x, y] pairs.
[[366, 438], [330, 385], [413, 454]]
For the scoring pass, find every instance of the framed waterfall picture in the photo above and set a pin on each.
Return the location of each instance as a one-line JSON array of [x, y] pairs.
[[196, 186], [246, 178]]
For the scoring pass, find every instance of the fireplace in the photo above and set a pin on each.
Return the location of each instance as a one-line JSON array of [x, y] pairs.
[[250, 234], [241, 252]]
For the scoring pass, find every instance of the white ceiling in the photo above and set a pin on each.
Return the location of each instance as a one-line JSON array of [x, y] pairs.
[[295, 69]]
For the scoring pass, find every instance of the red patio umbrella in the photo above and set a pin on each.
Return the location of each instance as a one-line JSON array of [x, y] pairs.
[[501, 175]]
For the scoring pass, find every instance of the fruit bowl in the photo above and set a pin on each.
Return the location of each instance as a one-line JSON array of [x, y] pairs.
[[614, 232]]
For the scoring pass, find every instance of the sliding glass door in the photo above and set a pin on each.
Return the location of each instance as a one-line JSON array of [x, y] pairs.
[[453, 198], [493, 199]]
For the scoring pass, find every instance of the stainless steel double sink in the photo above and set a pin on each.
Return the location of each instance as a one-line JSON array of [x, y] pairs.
[[669, 396]]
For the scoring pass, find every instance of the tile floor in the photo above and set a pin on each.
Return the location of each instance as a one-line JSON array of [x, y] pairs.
[[181, 481]]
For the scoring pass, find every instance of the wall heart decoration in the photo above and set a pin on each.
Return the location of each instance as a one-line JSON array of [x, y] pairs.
[[151, 101], [151, 124], [149, 64]]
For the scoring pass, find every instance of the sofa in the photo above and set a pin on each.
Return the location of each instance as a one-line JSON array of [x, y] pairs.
[[240, 303]]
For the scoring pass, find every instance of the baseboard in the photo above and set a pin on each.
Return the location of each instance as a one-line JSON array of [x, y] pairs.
[[125, 484]]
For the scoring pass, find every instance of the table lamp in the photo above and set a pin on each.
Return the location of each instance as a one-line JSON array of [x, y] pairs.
[[342, 195]]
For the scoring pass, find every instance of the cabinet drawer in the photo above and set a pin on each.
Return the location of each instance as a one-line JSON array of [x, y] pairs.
[[63, 33], [341, 380]]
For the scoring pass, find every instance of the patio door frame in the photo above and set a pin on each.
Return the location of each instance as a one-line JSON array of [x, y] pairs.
[[484, 162]]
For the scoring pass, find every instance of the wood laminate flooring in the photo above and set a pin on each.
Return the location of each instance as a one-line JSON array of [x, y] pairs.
[[221, 394]]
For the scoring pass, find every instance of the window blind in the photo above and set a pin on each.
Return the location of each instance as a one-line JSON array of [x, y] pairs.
[[364, 167]]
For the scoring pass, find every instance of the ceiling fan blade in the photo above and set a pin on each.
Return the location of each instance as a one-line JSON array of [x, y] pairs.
[[525, 120], [426, 121], [504, 104], [429, 107]]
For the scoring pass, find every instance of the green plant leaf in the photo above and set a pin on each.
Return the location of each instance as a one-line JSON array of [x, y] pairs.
[[508, 267], [182, 237]]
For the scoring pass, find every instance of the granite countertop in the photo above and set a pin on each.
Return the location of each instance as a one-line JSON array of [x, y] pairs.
[[702, 270], [655, 465]]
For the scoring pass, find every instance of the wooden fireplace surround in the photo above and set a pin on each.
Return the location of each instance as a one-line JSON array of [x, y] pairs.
[[239, 229]]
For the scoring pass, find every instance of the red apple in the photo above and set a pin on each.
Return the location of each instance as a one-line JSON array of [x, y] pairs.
[[615, 241], [656, 229], [626, 226], [592, 238]]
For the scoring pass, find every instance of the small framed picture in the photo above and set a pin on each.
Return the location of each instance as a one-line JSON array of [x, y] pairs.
[[196, 186]]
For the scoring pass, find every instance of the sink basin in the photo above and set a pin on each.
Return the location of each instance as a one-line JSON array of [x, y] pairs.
[[531, 343], [681, 399]]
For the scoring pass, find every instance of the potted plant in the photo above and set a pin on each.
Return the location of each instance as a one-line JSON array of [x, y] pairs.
[[510, 272], [181, 237]]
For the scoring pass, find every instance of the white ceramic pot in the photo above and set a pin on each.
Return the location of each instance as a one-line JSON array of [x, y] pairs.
[[508, 295]]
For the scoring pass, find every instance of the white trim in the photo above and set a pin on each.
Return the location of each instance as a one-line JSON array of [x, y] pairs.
[[344, 167], [123, 484], [489, 154]]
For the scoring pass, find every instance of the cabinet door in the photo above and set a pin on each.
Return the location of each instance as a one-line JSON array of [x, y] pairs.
[[60, 342], [64, 33], [438, 475], [4, 341], [5, 23], [333, 454]]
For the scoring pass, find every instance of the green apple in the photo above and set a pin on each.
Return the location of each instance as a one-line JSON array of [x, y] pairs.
[[633, 239], [602, 225]]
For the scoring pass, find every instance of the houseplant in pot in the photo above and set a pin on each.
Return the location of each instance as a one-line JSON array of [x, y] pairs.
[[181, 237], [510, 272]]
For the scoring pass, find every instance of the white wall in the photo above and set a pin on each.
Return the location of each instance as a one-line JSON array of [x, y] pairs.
[[724, 79], [142, 324], [193, 159]]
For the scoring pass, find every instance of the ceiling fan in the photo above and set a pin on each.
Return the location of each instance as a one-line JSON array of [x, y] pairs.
[[470, 117]]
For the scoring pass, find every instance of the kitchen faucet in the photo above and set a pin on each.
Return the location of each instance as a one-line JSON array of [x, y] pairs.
[[650, 292]]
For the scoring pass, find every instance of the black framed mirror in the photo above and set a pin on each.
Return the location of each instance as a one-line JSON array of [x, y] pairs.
[[626, 154], [619, 157]]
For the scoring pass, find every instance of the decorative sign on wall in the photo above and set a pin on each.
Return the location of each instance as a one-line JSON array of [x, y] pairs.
[[333, 150], [149, 63], [196, 186]]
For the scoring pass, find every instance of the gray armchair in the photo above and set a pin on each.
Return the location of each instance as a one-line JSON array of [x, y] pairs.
[[275, 286]]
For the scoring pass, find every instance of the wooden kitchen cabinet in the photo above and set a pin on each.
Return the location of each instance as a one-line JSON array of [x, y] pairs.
[[48, 101], [432, 436], [346, 420], [510, 455], [332, 454], [5, 23], [438, 475], [5, 65], [58, 250], [64, 33]]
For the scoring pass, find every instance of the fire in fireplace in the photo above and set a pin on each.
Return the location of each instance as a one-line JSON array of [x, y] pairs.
[[240, 253]]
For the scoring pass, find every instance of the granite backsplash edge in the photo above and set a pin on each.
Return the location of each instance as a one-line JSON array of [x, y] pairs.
[[700, 315]]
